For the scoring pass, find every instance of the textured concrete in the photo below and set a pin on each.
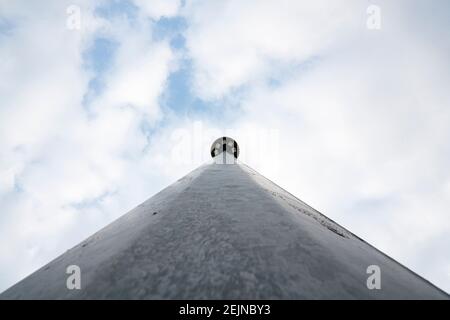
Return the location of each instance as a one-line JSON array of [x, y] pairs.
[[223, 231]]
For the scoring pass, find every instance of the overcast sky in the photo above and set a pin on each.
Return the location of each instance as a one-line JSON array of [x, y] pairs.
[[104, 103]]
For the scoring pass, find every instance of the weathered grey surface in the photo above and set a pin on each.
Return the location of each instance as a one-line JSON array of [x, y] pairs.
[[223, 231]]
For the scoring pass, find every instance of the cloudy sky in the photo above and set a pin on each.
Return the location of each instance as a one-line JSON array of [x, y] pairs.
[[104, 103]]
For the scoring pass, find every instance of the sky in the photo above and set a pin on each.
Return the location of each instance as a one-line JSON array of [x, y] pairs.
[[105, 103]]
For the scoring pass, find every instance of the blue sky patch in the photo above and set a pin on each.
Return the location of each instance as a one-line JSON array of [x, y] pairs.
[[98, 59]]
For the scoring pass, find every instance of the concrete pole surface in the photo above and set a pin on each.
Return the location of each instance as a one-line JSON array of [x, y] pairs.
[[223, 232]]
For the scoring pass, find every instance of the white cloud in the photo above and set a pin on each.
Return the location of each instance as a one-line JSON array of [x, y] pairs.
[[140, 69], [157, 9], [234, 42]]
